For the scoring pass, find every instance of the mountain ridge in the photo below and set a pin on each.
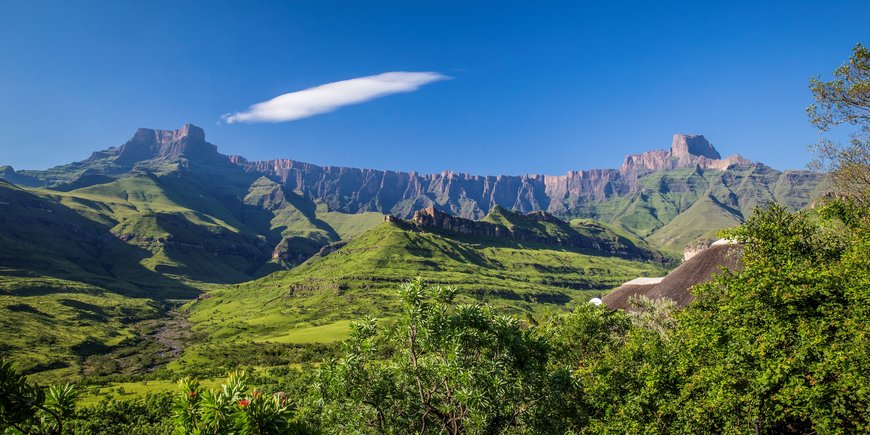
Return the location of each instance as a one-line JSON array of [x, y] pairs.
[[643, 195], [528, 192]]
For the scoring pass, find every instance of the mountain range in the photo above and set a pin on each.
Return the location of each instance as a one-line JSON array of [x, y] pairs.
[[278, 250], [649, 195]]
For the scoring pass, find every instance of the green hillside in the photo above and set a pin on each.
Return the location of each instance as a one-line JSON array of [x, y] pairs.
[[672, 209], [87, 272], [67, 291], [659, 198], [314, 301], [702, 221]]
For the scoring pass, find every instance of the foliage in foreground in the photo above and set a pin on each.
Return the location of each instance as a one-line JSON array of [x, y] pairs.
[[444, 368], [845, 101], [230, 409], [27, 408], [781, 344]]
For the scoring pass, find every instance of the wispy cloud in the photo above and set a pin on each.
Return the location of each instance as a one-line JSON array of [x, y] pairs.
[[331, 96]]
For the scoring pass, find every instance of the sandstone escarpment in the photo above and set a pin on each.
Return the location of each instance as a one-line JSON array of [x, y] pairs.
[[687, 150], [429, 217], [353, 190]]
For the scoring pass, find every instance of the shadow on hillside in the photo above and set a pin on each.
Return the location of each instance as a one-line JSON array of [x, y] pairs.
[[42, 237]]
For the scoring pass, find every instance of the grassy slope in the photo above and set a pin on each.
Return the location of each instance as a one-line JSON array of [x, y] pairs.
[[349, 226], [70, 288], [702, 220], [672, 209], [52, 326], [602, 230], [60, 301], [166, 215], [661, 196], [314, 301], [74, 289], [512, 220]]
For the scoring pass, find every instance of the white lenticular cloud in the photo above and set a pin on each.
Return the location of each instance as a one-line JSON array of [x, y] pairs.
[[331, 96]]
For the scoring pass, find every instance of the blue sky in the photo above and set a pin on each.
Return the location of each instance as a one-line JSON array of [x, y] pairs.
[[535, 87]]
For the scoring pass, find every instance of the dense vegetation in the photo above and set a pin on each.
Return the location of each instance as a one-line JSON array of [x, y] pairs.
[[780, 344]]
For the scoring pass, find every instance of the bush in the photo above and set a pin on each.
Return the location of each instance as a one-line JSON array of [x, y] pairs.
[[230, 409]]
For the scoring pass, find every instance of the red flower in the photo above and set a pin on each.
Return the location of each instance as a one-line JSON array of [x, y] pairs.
[[192, 394], [244, 403]]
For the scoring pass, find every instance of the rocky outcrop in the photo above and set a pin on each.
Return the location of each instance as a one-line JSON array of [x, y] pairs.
[[650, 202], [693, 145], [528, 228], [687, 150], [8, 173], [292, 251], [429, 217], [149, 144], [330, 248]]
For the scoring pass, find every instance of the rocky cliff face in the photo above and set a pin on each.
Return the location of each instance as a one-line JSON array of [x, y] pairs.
[[429, 217], [149, 144], [687, 150], [693, 145], [353, 190]]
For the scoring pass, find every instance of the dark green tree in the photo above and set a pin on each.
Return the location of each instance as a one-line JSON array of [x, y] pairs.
[[781, 344], [445, 367]]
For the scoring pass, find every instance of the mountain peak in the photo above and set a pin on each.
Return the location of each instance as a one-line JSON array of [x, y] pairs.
[[160, 137], [150, 143], [693, 144]]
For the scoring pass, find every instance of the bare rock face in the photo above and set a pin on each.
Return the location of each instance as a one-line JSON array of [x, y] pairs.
[[8, 173], [168, 144], [694, 145], [538, 227], [687, 150], [352, 190], [429, 217]]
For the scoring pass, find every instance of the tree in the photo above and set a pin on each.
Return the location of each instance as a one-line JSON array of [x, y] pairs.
[[445, 367], [845, 100], [780, 344]]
